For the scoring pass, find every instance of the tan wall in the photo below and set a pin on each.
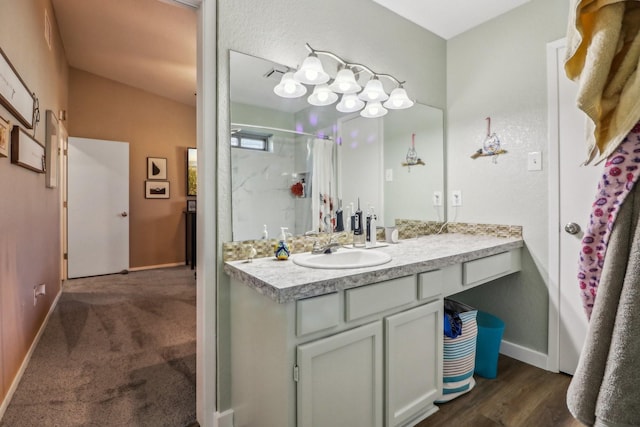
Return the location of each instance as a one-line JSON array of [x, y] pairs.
[[29, 212], [154, 127]]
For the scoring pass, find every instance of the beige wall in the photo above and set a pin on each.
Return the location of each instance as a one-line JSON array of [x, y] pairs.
[[29, 212], [154, 127]]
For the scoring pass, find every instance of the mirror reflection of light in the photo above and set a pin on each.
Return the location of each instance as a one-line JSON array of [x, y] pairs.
[[289, 87], [313, 119]]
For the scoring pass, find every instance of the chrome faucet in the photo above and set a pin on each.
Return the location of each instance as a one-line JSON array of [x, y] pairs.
[[328, 248]]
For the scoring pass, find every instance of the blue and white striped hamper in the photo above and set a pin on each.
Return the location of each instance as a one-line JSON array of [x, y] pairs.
[[459, 353]]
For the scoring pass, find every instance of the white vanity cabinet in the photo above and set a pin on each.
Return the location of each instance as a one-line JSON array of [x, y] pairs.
[[339, 379], [368, 355]]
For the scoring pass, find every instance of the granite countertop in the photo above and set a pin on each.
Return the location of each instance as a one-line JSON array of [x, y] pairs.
[[285, 281]]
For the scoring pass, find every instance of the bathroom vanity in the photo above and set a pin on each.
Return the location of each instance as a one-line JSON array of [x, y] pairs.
[[351, 347]]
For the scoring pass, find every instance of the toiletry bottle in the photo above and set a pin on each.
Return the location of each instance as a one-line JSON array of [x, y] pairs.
[[339, 221], [372, 229], [368, 224], [358, 232], [282, 248], [352, 222], [265, 233]]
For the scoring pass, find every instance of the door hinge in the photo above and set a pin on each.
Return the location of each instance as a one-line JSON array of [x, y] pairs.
[[64, 204], [65, 151], [296, 373], [65, 256]]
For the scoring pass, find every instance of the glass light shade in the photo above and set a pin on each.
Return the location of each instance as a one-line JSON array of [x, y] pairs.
[[350, 103], [345, 82], [373, 91], [311, 72], [289, 87], [398, 99], [373, 109], [322, 95]]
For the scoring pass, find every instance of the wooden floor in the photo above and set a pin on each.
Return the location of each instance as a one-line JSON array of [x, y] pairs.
[[521, 396]]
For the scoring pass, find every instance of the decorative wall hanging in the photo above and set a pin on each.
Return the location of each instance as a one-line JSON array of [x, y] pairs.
[[14, 93], [412, 158], [51, 150], [26, 151], [156, 168], [490, 146], [192, 171], [156, 189], [5, 129]]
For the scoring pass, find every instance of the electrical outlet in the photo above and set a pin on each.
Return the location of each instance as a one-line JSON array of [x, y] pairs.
[[437, 198], [456, 198], [388, 175]]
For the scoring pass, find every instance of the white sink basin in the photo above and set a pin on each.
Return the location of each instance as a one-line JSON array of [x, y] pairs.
[[344, 258]]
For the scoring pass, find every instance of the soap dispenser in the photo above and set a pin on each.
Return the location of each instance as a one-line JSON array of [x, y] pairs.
[[281, 249]]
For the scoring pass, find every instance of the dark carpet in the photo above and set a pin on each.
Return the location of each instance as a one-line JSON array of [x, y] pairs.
[[118, 350]]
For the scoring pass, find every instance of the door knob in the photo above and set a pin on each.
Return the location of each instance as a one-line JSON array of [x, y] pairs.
[[124, 214], [572, 228]]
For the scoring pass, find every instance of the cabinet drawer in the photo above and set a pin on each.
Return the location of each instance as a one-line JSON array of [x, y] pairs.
[[317, 313], [430, 284], [484, 268], [379, 297]]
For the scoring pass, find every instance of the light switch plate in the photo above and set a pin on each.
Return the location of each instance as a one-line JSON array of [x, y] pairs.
[[534, 161], [388, 174]]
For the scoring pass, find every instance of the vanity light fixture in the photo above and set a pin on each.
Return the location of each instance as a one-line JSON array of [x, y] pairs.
[[289, 87], [373, 109], [322, 95], [353, 99], [350, 103]]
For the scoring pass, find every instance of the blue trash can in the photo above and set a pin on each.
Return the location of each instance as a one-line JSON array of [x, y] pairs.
[[490, 329]]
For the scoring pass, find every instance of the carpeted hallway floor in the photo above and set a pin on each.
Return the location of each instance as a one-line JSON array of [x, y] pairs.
[[118, 350]]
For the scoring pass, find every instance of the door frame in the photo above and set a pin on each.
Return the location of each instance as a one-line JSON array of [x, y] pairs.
[[553, 346]]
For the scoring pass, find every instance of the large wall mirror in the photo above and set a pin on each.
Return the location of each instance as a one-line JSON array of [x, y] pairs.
[[284, 152]]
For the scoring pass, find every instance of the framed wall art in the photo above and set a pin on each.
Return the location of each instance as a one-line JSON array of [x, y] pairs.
[[14, 93], [26, 151], [156, 168], [192, 171], [5, 131], [51, 149], [156, 189]]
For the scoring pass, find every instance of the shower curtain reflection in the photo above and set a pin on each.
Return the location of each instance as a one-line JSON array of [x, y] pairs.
[[266, 186]]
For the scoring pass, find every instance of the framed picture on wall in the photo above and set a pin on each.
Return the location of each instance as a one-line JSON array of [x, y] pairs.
[[156, 168], [156, 189], [5, 129], [192, 171], [191, 205], [26, 151]]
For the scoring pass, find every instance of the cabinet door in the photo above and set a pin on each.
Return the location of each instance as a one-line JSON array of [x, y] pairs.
[[340, 379], [413, 363]]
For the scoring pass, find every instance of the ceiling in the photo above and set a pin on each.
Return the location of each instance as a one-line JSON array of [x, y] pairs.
[[448, 18], [148, 44], [151, 44]]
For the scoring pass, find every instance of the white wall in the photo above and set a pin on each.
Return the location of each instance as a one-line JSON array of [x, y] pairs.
[[499, 70]]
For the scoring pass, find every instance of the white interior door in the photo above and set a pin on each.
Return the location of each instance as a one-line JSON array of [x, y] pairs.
[[98, 207], [576, 191], [360, 159]]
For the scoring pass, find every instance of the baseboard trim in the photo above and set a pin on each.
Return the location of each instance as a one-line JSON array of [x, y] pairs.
[[27, 358], [524, 354], [223, 419], [153, 267]]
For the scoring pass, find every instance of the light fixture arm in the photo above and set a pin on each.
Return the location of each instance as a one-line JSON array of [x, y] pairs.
[[353, 65]]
